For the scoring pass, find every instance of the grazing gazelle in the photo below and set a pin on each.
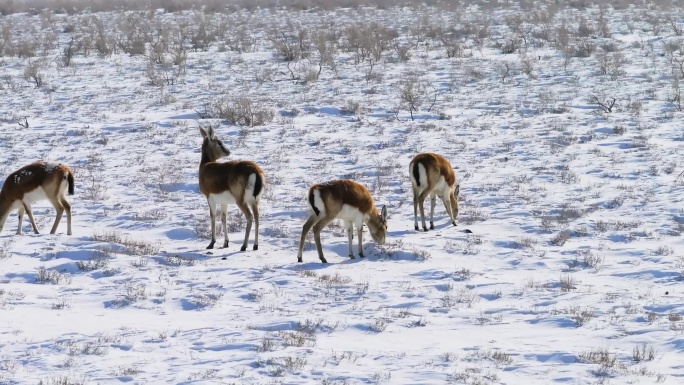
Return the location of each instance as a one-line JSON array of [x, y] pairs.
[[223, 183], [348, 201], [35, 182], [432, 175]]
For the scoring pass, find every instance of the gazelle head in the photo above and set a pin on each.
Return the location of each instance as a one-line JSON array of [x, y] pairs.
[[454, 200], [212, 147], [377, 225]]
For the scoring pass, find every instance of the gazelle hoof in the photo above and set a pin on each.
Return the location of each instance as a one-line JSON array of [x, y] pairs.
[[416, 228], [362, 256], [211, 245], [243, 248], [323, 260], [351, 256], [225, 244], [256, 247], [432, 225]]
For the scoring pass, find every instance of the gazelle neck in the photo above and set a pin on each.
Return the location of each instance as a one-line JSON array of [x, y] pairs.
[[5, 206], [207, 156]]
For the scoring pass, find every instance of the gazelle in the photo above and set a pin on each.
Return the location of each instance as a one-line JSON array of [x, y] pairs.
[[348, 201], [35, 182], [432, 175], [223, 183]]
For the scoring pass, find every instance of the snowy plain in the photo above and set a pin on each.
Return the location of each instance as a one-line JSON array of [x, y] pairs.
[[571, 272]]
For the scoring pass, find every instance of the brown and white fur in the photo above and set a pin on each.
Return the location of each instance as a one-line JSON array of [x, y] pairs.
[[35, 182], [432, 175], [346, 200], [238, 182]]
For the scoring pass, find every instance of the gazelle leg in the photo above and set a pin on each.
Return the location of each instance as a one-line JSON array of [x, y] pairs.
[[224, 212], [415, 209], [250, 218], [30, 215], [212, 215], [67, 208], [317, 237], [60, 210], [305, 230], [20, 213], [255, 211], [421, 205], [433, 199], [349, 227], [359, 231]]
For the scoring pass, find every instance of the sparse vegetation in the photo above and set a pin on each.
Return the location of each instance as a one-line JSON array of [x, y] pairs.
[[239, 112], [53, 277], [99, 260], [643, 352], [4, 250], [129, 245], [561, 119]]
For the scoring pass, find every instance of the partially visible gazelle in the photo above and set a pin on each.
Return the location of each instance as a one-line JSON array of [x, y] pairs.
[[348, 201], [35, 182], [432, 175], [223, 183]]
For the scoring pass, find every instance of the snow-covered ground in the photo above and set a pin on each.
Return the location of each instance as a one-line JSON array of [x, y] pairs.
[[571, 271]]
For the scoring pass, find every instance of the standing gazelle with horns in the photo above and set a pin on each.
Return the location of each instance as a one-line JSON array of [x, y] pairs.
[[432, 175], [348, 201], [35, 182], [223, 183]]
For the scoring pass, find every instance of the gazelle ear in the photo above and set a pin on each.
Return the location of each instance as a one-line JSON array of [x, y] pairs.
[[211, 133], [203, 132], [457, 190], [383, 213]]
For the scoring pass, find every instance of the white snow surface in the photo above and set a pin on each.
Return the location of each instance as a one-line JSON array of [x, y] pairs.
[[574, 226]]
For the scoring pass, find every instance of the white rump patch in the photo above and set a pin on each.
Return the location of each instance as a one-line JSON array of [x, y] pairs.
[[249, 188], [318, 202], [422, 181]]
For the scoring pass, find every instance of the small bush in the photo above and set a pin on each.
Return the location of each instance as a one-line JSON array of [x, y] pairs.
[[567, 283], [99, 260], [238, 111], [4, 251], [599, 356], [32, 73], [66, 379], [53, 277], [643, 352], [560, 239], [205, 300]]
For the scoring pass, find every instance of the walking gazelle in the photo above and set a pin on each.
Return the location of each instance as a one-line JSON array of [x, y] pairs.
[[432, 175], [223, 183], [348, 201], [35, 182]]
